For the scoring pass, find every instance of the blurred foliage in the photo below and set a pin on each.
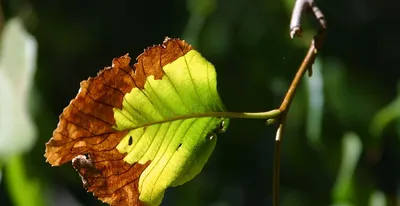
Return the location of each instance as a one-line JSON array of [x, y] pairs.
[[355, 90], [17, 131], [343, 190], [17, 67], [23, 189]]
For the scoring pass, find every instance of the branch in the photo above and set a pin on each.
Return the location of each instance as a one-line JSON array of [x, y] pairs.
[[301, 7]]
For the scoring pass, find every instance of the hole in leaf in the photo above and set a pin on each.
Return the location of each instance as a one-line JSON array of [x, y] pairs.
[[179, 146], [130, 141]]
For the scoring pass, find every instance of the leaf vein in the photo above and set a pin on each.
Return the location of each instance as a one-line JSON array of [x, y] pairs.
[[158, 177]]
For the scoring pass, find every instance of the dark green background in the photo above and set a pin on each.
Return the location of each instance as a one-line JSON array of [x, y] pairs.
[[248, 42]]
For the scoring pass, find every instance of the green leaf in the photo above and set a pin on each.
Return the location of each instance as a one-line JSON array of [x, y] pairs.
[[131, 132], [351, 151]]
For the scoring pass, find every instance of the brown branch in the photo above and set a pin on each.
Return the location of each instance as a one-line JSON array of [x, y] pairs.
[[301, 7]]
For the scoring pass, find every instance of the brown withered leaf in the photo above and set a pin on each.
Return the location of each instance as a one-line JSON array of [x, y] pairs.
[[86, 134]]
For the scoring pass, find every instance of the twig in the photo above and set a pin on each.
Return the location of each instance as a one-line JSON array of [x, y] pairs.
[[277, 163], [301, 6]]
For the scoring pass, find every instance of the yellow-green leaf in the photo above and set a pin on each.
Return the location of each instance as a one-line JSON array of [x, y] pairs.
[[133, 131]]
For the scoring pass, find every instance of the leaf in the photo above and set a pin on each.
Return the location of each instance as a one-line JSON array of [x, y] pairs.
[[343, 189], [131, 132]]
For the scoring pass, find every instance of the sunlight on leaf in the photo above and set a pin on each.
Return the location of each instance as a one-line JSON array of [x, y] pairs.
[[351, 151], [17, 68], [131, 132]]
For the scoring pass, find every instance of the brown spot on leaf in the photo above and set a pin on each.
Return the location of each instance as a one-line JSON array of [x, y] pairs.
[[86, 125]]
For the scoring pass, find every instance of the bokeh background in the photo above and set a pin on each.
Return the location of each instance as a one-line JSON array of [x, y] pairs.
[[341, 146]]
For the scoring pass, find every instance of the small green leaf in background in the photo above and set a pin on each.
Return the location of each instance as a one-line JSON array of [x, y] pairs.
[[17, 68], [315, 90], [386, 115], [351, 150]]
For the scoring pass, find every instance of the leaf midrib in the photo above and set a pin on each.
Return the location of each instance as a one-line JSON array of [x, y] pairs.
[[242, 115]]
